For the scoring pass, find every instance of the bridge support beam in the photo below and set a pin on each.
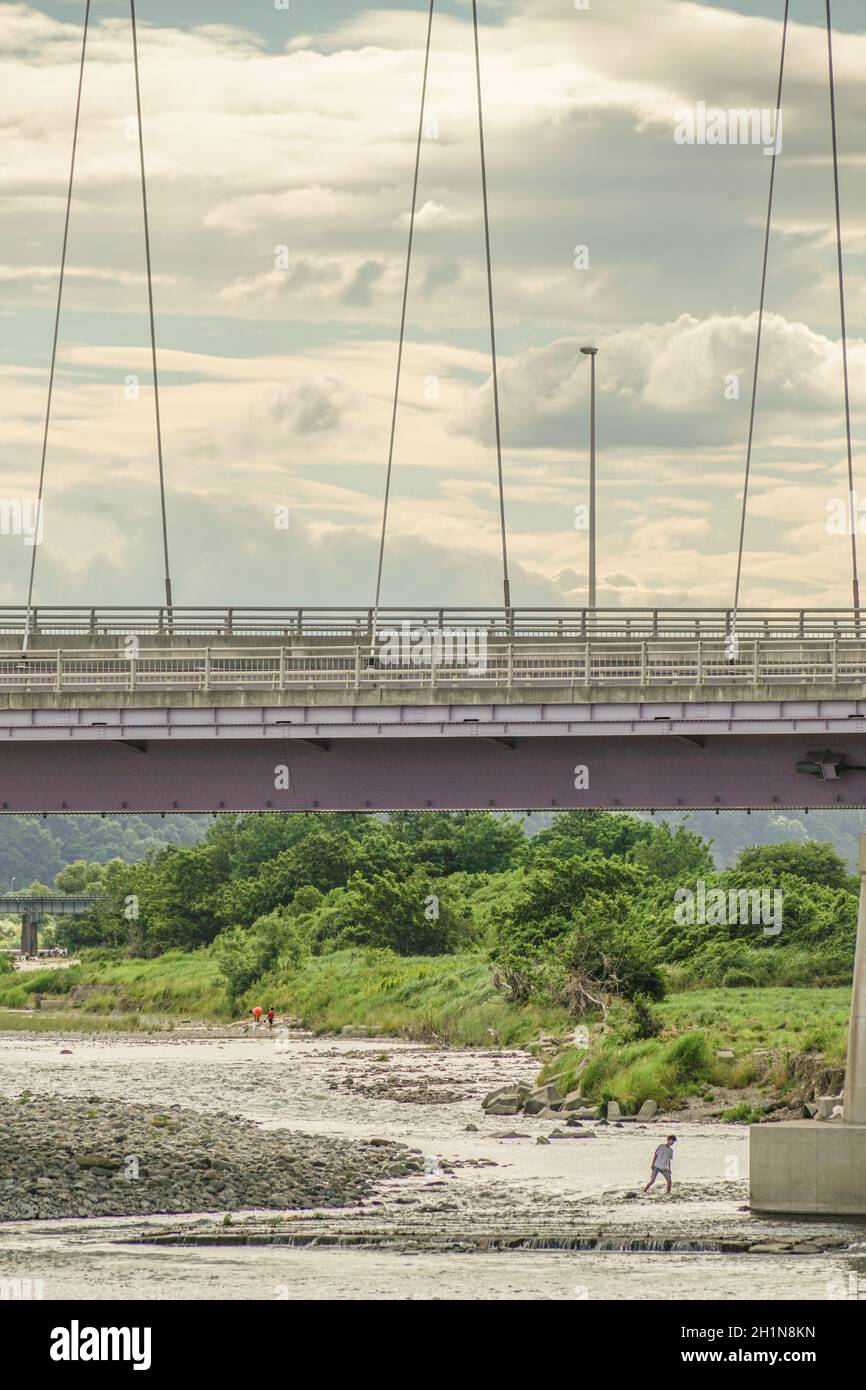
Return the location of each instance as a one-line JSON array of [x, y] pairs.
[[29, 934], [817, 1167], [481, 768]]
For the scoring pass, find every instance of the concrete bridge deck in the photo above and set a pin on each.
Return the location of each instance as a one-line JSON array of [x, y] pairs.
[[491, 714]]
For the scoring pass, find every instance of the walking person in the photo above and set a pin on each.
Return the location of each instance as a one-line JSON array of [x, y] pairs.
[[271, 1020], [662, 1161]]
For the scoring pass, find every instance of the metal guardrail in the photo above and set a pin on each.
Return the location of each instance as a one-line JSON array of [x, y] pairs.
[[356, 624], [637, 663]]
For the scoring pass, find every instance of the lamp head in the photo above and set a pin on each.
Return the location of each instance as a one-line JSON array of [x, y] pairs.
[[589, 351]]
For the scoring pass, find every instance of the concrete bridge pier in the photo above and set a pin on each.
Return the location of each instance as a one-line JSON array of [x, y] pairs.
[[29, 933], [815, 1167]]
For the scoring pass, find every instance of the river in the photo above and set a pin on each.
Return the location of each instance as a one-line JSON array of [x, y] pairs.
[[423, 1237]]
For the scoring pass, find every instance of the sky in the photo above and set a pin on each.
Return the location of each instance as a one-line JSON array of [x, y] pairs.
[[280, 147]]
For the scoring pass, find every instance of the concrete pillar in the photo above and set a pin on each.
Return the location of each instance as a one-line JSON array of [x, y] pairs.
[[855, 1071], [29, 934]]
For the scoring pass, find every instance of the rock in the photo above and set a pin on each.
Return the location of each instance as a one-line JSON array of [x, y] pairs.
[[92, 1161], [725, 1054], [613, 1110], [543, 1098], [648, 1110], [506, 1101], [471, 1129], [509, 1134], [575, 1101], [571, 1134], [545, 1114], [504, 1107], [828, 1106], [541, 1140]]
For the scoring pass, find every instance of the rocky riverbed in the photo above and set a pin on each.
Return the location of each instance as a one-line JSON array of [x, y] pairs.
[[472, 1206], [96, 1157]]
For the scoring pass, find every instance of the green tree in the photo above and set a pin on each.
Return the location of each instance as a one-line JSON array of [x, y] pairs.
[[813, 861], [670, 853], [406, 916], [245, 954], [575, 834]]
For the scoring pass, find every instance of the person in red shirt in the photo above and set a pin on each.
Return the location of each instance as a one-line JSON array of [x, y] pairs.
[[270, 1020], [257, 1014]]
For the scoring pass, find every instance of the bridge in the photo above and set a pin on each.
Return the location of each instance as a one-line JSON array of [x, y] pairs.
[[203, 709], [33, 908]]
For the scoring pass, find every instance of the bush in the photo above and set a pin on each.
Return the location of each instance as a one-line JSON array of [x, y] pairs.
[[247, 953]]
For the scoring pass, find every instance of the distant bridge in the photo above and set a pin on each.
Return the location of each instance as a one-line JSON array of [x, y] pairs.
[[33, 908], [245, 709]]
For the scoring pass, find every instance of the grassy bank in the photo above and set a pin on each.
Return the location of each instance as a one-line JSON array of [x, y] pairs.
[[683, 1060], [178, 983], [451, 998], [448, 997]]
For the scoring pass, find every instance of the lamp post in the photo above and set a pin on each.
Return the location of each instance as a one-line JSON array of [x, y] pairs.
[[591, 353]]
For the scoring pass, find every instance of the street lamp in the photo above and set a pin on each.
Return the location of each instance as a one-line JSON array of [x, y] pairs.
[[591, 353]]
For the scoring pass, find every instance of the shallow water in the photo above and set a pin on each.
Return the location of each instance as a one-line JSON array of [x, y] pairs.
[[330, 1086]]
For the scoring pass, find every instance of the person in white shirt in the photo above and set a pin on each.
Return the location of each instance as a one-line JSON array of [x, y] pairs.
[[662, 1160]]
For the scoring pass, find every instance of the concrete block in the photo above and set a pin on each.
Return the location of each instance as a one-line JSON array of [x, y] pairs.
[[808, 1169]]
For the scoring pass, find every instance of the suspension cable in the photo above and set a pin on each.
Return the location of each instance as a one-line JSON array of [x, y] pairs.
[[853, 527], [733, 620], [402, 338], [40, 494], [150, 309], [505, 581]]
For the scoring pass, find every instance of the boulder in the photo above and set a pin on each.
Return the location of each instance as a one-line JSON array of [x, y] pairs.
[[828, 1106], [506, 1101], [613, 1110], [543, 1098], [575, 1101], [725, 1054], [648, 1110], [97, 1161]]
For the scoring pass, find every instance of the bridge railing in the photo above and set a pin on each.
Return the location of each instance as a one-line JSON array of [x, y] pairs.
[[501, 664], [356, 624]]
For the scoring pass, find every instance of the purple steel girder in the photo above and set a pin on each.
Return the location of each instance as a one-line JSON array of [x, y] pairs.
[[484, 768]]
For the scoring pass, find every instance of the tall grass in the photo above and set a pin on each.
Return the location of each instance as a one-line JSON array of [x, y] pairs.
[[451, 998], [683, 1061], [180, 982]]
